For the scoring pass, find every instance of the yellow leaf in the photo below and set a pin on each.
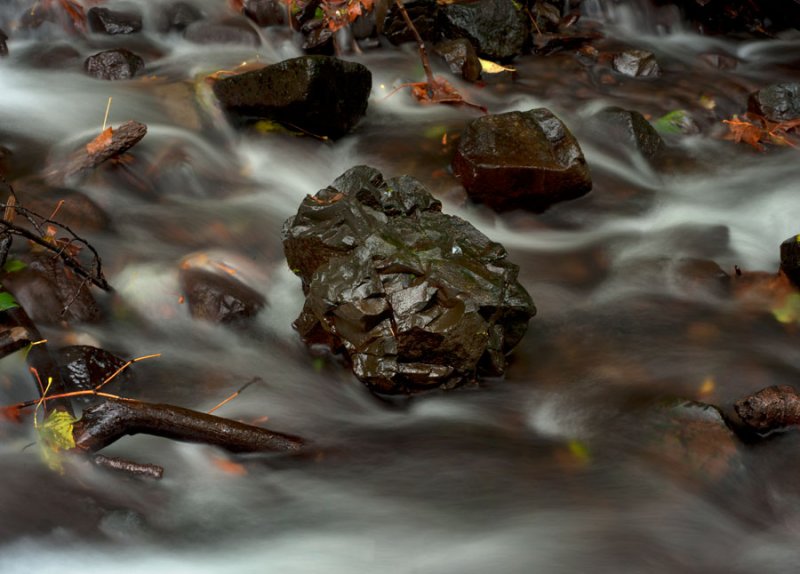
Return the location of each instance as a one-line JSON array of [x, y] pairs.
[[492, 68], [55, 436]]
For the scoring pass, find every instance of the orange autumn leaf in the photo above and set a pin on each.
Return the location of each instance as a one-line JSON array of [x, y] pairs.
[[229, 467], [101, 142], [744, 131]]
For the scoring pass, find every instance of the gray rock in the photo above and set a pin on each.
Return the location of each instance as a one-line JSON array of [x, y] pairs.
[[636, 64], [461, 58], [117, 64], [521, 160], [321, 95], [416, 299], [777, 103]]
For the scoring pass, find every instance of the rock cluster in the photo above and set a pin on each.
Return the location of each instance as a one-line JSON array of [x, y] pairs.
[[415, 299]]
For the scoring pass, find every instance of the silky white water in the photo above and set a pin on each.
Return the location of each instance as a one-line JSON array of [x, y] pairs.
[[557, 468]]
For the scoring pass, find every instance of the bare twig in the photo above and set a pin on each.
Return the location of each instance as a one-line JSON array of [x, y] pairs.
[[423, 53], [135, 468]]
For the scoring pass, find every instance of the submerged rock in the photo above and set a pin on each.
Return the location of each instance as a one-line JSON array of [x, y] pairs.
[[777, 103], [521, 160], [496, 28], [117, 64], [220, 298], [177, 16], [265, 12], [3, 44], [415, 298], [321, 95], [113, 22], [630, 128], [461, 58], [234, 32], [637, 64], [51, 293]]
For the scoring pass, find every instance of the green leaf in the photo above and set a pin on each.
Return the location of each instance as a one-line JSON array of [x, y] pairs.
[[13, 264], [671, 123], [7, 301]]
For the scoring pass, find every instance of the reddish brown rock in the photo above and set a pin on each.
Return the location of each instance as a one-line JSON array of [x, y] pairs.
[[521, 160]]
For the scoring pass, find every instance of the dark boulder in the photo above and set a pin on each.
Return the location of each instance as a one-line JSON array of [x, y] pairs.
[[265, 12], [423, 14], [415, 299], [777, 103], [235, 32], [628, 128], [219, 298], [112, 22], [497, 28], [117, 64], [177, 16], [521, 159], [321, 95], [3, 44], [461, 58], [636, 64], [790, 259]]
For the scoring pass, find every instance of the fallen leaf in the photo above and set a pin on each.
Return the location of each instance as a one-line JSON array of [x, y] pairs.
[[493, 68], [100, 142]]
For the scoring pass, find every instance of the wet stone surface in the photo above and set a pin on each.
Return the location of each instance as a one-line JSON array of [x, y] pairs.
[[495, 27], [117, 64], [637, 64], [630, 128], [322, 95], [112, 22], [521, 160], [777, 103], [416, 299]]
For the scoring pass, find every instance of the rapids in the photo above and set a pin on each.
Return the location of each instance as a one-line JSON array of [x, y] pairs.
[[558, 467]]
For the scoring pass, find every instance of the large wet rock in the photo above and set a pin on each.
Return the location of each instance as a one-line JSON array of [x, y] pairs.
[[116, 64], [629, 128], [497, 28], [521, 160], [777, 103], [321, 95], [415, 298]]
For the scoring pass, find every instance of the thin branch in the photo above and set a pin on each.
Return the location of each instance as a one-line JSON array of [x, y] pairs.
[[423, 53]]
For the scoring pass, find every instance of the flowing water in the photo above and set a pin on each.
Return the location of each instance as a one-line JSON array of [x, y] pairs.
[[567, 464]]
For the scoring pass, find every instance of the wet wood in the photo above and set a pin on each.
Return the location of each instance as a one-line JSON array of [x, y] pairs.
[[133, 468], [109, 421], [88, 157]]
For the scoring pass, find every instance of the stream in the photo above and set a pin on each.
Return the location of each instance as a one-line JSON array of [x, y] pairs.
[[569, 463]]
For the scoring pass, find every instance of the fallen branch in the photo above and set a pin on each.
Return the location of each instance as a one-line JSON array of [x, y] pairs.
[[137, 469], [112, 419], [106, 146]]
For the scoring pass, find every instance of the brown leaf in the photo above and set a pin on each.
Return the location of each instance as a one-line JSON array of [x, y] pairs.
[[101, 142]]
